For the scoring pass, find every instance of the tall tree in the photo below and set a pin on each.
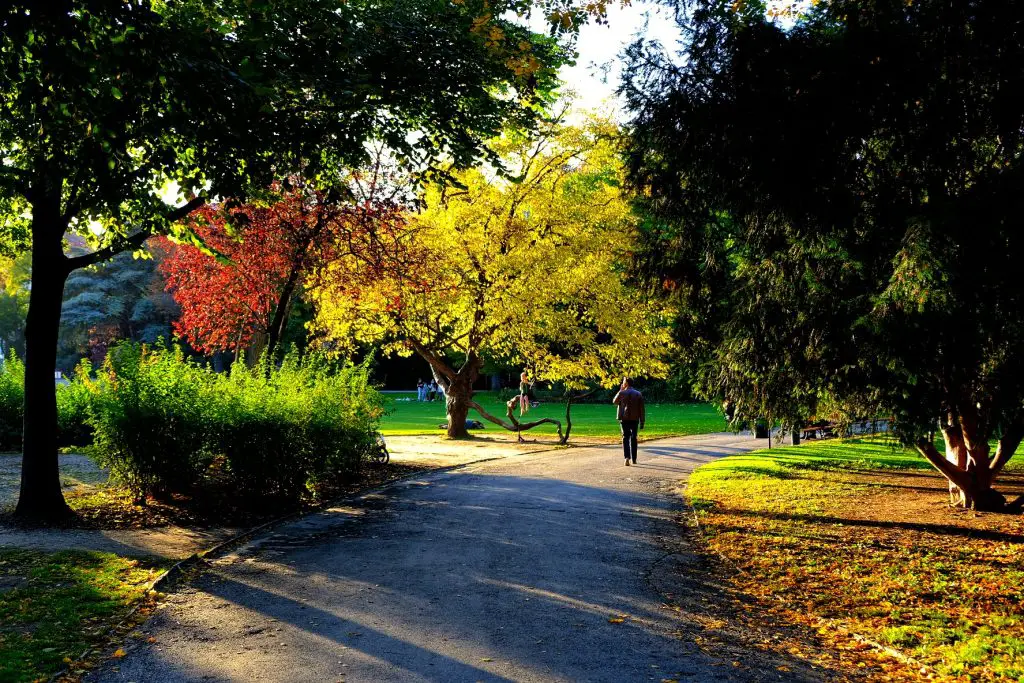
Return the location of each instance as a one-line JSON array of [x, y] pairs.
[[118, 118], [525, 268], [14, 292], [835, 202]]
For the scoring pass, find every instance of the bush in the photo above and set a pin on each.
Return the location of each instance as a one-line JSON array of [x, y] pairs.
[[12, 402], [73, 402], [151, 419], [283, 433]]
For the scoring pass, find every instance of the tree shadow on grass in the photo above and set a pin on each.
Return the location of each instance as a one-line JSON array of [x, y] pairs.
[[923, 527]]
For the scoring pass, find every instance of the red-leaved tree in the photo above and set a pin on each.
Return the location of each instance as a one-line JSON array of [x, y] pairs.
[[242, 297]]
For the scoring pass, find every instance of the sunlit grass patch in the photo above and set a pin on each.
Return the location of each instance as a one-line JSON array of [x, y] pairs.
[[588, 419], [57, 607], [858, 535]]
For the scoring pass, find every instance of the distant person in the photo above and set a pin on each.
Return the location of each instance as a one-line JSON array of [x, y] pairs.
[[631, 416], [431, 390], [440, 391], [421, 390]]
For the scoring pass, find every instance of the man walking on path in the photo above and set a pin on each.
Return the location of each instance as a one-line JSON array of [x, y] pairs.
[[631, 415]]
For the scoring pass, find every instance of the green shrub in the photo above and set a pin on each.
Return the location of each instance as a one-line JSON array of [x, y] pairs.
[[73, 401], [289, 431], [279, 433], [151, 419], [12, 402]]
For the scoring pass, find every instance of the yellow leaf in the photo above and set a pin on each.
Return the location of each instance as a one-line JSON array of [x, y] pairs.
[[615, 620], [118, 653]]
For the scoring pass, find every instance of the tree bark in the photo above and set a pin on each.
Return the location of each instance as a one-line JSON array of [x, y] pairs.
[[458, 397], [966, 463], [458, 387], [281, 313], [41, 500]]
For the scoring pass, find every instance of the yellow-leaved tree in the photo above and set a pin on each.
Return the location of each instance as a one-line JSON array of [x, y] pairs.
[[525, 265]]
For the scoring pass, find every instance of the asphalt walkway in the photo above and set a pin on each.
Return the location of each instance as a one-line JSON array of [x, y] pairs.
[[543, 567]]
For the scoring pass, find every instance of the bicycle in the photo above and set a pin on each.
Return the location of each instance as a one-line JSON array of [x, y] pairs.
[[379, 454]]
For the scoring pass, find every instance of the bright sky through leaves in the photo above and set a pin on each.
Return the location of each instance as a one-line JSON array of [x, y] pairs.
[[596, 74]]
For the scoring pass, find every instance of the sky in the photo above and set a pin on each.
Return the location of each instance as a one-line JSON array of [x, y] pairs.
[[598, 69]]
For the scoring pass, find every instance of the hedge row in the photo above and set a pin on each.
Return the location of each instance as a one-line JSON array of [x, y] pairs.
[[162, 424], [73, 428]]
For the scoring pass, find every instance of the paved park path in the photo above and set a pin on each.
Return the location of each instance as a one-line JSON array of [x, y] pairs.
[[548, 567]]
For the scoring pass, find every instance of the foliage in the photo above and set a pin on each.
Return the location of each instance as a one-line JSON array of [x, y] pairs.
[[834, 204], [12, 402], [526, 269], [117, 119], [149, 93], [288, 431], [152, 419], [14, 293], [825, 535], [64, 604], [74, 401], [243, 292], [121, 298], [165, 425]]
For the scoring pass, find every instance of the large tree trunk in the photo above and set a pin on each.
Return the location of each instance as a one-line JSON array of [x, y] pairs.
[[458, 398], [967, 464], [41, 500], [458, 387]]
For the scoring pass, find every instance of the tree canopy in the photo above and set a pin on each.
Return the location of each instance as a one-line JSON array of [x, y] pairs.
[[835, 205], [529, 269], [119, 118]]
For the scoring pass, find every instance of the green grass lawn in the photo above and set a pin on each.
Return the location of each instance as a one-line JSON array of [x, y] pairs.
[[57, 609], [588, 419], [858, 534]]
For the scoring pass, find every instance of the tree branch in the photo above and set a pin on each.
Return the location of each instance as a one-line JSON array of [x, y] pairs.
[[431, 358], [1006, 448], [133, 241], [945, 467], [514, 425]]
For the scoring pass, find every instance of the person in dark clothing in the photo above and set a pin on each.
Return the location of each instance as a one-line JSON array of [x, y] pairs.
[[631, 416]]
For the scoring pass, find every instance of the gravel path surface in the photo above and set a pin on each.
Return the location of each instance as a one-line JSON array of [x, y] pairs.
[[548, 567], [78, 471]]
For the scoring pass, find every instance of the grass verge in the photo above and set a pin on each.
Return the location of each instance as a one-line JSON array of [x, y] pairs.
[[407, 417], [857, 536], [61, 610]]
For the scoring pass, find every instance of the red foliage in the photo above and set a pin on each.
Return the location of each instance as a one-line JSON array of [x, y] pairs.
[[267, 253], [226, 302]]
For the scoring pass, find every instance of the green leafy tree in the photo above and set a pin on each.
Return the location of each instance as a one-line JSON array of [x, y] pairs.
[[14, 289], [835, 203], [119, 118]]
